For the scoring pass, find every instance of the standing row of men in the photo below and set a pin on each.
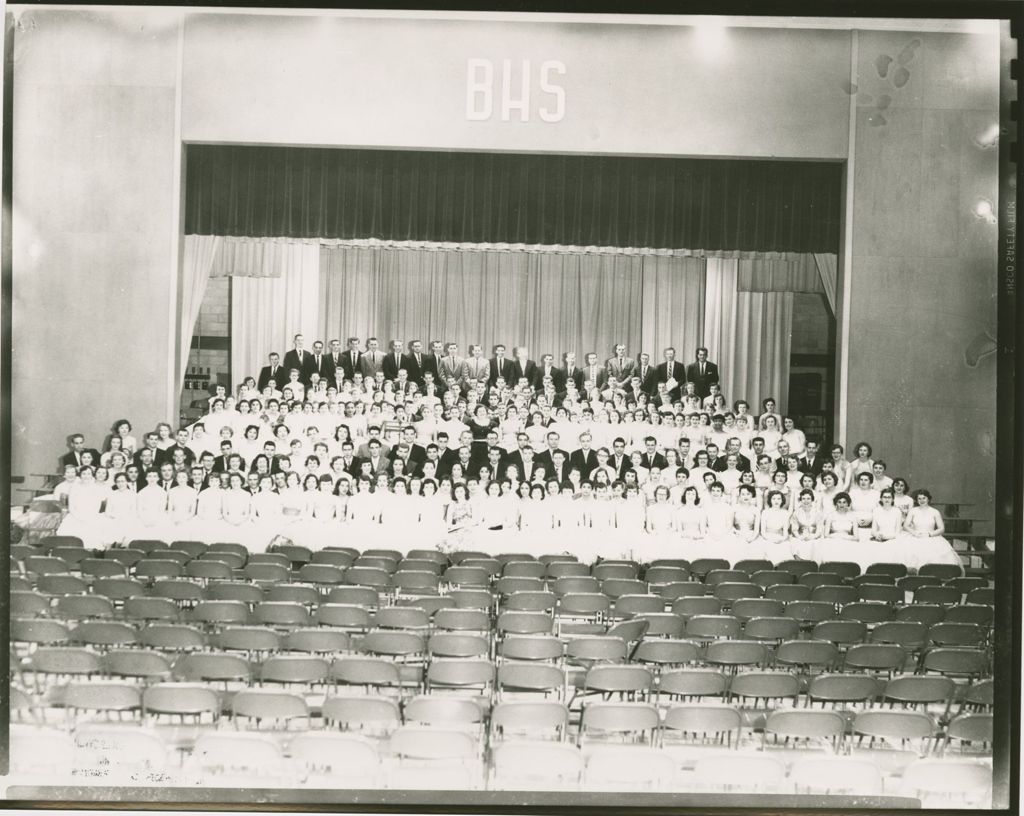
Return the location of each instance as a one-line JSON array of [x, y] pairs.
[[445, 364]]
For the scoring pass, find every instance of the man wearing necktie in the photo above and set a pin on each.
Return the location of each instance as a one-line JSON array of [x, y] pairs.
[[476, 368], [394, 361], [372, 359], [570, 372], [451, 364], [648, 376], [523, 368], [321, 363], [349, 361], [620, 366], [299, 359], [672, 369], [596, 375], [501, 367], [702, 373], [271, 372], [413, 362]]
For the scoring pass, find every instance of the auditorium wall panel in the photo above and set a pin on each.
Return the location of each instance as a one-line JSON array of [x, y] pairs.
[[923, 276], [93, 147], [627, 89]]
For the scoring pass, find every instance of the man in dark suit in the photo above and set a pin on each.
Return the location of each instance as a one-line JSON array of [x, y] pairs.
[[593, 372], [515, 457], [180, 443], [619, 365], [812, 460], [446, 456], [546, 458], [702, 373], [571, 372], [377, 459], [546, 369], [647, 374], [500, 366], [299, 359], [220, 463], [149, 442], [584, 457], [417, 453], [559, 468], [350, 462], [275, 371], [74, 456], [431, 361], [732, 449], [394, 361], [651, 458], [321, 363], [527, 465], [523, 368], [413, 467], [619, 460], [336, 357], [414, 362], [672, 369]]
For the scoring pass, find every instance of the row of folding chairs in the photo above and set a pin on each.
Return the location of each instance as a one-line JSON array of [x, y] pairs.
[[432, 758]]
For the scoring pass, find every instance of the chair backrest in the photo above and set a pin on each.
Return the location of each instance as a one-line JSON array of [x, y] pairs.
[[867, 611], [808, 724], [679, 589], [847, 570], [368, 576], [363, 713], [467, 576], [973, 728], [605, 571], [442, 711], [729, 591], [945, 595], [771, 577], [566, 569], [399, 617], [788, 592], [524, 569], [606, 649], [117, 589], [293, 593], [796, 568], [840, 632], [887, 568], [365, 671], [531, 677], [765, 685], [908, 634], [842, 688], [941, 571], [529, 717], [705, 720], [334, 558], [836, 775], [689, 606], [957, 661], [317, 641], [733, 653], [666, 575], [622, 679], [957, 634], [264, 706], [922, 613], [771, 628], [667, 652], [62, 660], [180, 590], [151, 609], [887, 593], [119, 697], [104, 633], [894, 724], [181, 699], [30, 604], [220, 612], [641, 719], [969, 613], [576, 584], [918, 689], [303, 669], [394, 643], [810, 612], [981, 595], [454, 644], [747, 608], [143, 664], [212, 667], [531, 601], [531, 647], [210, 569], [536, 764], [702, 566], [525, 623], [712, 626], [235, 591], [692, 683], [808, 653], [509, 584], [462, 620], [721, 576], [460, 673], [876, 657], [280, 613], [837, 594], [172, 637], [35, 630]]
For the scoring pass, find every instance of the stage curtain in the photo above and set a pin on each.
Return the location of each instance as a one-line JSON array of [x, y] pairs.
[[759, 275], [253, 257], [828, 268], [196, 264], [738, 205], [266, 313], [552, 303], [749, 336]]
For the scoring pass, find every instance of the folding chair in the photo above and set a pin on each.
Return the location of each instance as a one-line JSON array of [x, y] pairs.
[[737, 771], [397, 617], [461, 674], [958, 634], [524, 623], [970, 731], [969, 613], [867, 612], [836, 775], [454, 644], [691, 684], [104, 634], [841, 633], [467, 577], [529, 718], [151, 609], [181, 700], [434, 758], [336, 760], [343, 616], [747, 608], [726, 576], [772, 629], [913, 690], [566, 569], [835, 690], [690, 606], [316, 641], [941, 783], [629, 768], [471, 598], [712, 627], [219, 613], [836, 594], [966, 583], [306, 671], [444, 712], [664, 653], [53, 663], [729, 591], [622, 570], [214, 668], [921, 613], [807, 655], [371, 716], [623, 682], [531, 678], [805, 726], [144, 665], [535, 765], [956, 662], [371, 674], [420, 581], [733, 654], [333, 558], [524, 569], [766, 578], [172, 637], [62, 585], [462, 620], [531, 601], [703, 724], [261, 707], [892, 727], [293, 593], [628, 606], [175, 555], [810, 612], [84, 607], [630, 722], [890, 658], [546, 648], [407, 647]]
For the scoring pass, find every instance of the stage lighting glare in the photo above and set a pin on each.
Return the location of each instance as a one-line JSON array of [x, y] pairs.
[[988, 137], [712, 35], [984, 210]]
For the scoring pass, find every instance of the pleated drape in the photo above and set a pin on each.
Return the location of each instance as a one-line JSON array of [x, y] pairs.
[[552, 303], [266, 313], [197, 261], [749, 336]]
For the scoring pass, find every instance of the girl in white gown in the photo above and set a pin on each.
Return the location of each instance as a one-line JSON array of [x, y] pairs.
[[364, 510], [775, 528], [691, 524], [746, 525], [721, 541], [863, 463], [922, 540], [121, 512], [807, 525], [863, 501], [181, 506], [662, 538], [430, 514], [840, 542], [841, 468], [210, 524], [902, 500], [886, 518], [237, 509], [152, 506], [85, 517]]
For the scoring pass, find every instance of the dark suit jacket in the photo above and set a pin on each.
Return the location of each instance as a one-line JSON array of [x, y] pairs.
[[390, 367], [600, 374], [352, 469], [561, 476], [305, 366], [520, 370], [189, 456], [69, 458], [415, 369], [677, 372], [445, 462], [346, 365], [585, 462], [325, 369], [417, 453], [814, 468], [506, 371], [280, 377], [557, 378], [621, 468], [430, 364], [648, 383], [658, 461], [534, 469], [576, 377], [159, 457], [702, 383], [546, 459], [367, 365]]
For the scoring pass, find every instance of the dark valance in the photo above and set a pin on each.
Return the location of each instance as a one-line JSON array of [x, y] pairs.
[[697, 204]]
